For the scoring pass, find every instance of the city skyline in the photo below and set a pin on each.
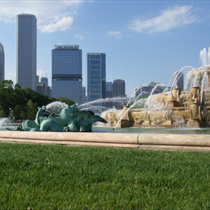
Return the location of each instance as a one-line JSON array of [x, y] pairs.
[[143, 41]]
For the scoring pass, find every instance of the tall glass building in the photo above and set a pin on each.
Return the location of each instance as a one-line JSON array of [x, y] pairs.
[[96, 76], [67, 72], [26, 39], [2, 65]]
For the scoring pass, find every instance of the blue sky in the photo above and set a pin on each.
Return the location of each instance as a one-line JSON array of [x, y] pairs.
[[143, 40]]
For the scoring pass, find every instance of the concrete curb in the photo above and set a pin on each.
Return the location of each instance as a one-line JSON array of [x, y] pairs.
[[170, 142]]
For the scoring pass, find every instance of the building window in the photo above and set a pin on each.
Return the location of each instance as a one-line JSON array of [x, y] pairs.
[[95, 82], [66, 77]]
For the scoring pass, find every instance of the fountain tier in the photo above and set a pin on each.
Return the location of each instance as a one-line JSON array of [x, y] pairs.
[[188, 108]]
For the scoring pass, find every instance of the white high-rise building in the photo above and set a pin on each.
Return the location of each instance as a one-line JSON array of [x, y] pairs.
[[26, 45], [67, 72], [2, 64]]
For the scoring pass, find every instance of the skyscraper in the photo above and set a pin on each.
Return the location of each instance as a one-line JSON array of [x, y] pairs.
[[178, 81], [2, 65], [44, 80], [118, 91], [118, 88], [84, 97], [26, 39], [109, 89], [67, 72], [96, 76]]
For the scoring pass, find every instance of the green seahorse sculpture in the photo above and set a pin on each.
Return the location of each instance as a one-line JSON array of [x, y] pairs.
[[71, 119]]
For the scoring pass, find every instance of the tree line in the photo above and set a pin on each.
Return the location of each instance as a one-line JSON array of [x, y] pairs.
[[23, 103]]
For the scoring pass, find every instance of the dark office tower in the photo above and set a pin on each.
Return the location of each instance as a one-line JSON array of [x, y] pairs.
[[44, 80], [26, 39], [109, 89], [118, 91], [96, 76], [2, 65], [118, 88], [84, 97], [67, 72]]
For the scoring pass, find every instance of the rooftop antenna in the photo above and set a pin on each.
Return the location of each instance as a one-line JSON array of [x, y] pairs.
[[46, 71]]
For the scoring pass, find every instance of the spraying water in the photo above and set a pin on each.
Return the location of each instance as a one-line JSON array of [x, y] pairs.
[[3, 120], [55, 107], [204, 85], [203, 57], [99, 105]]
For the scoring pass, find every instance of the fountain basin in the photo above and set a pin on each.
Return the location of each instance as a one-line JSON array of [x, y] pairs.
[[171, 142]]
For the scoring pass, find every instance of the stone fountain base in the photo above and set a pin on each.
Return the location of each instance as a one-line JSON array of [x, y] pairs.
[[176, 109]]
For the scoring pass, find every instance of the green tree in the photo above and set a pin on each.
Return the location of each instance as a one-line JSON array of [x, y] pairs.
[[31, 109], [17, 111], [2, 113], [6, 84], [23, 102]]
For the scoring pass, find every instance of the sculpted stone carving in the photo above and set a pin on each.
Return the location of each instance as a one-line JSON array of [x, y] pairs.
[[195, 93], [70, 120], [176, 94], [194, 110]]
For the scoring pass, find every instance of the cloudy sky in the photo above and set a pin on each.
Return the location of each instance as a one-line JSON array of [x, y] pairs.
[[143, 40]]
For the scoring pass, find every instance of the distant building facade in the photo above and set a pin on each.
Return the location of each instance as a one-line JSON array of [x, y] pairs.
[[84, 97], [26, 53], [44, 80], [67, 72], [42, 87], [96, 76], [109, 89], [2, 63], [178, 80], [118, 91], [118, 88]]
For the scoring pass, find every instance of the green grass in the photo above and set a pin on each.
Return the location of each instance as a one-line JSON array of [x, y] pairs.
[[61, 177]]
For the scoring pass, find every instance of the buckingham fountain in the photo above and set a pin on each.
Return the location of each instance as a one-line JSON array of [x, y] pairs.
[[175, 108], [171, 108]]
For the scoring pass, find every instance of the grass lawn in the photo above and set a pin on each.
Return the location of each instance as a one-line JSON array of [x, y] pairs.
[[62, 177]]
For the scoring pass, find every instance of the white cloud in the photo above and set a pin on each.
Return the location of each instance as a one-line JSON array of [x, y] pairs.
[[60, 25], [78, 36], [171, 18], [51, 15], [42, 73], [115, 34]]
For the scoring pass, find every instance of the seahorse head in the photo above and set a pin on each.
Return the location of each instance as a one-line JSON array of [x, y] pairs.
[[68, 110]]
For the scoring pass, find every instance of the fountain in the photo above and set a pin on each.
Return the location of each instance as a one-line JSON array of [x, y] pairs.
[[175, 108]]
